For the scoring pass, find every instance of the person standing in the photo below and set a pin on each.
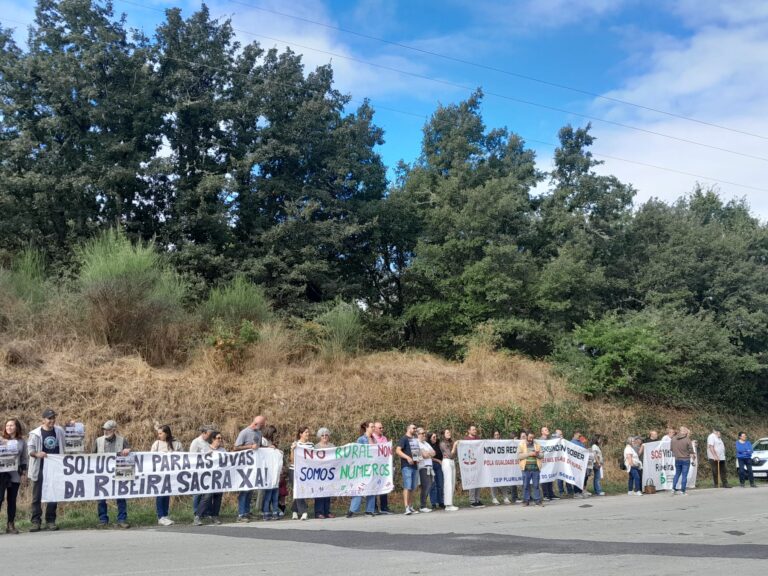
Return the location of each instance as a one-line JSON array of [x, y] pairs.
[[380, 437], [530, 455], [408, 451], [634, 465], [323, 505], [597, 467], [200, 445], [424, 466], [448, 448], [437, 491], [13, 435], [112, 443], [366, 437], [165, 443], [744, 457], [716, 456], [210, 502], [44, 440], [249, 438], [299, 506], [547, 488], [474, 493], [682, 449], [270, 497]]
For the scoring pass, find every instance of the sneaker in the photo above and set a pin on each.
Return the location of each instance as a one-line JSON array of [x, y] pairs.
[[638, 493], [385, 512], [243, 519], [414, 510], [630, 493], [280, 513], [103, 525], [408, 512], [370, 514], [495, 501], [165, 521], [601, 493], [586, 494], [350, 514], [35, 528], [526, 503], [540, 503], [295, 516], [683, 494], [216, 521], [477, 504], [425, 510], [123, 525], [506, 501], [675, 492], [451, 508], [266, 517], [305, 516], [555, 498], [51, 526], [197, 521]]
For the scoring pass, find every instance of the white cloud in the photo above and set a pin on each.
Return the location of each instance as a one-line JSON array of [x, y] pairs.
[[718, 75]]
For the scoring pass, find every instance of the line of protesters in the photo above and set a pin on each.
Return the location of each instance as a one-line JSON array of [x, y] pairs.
[[427, 461]]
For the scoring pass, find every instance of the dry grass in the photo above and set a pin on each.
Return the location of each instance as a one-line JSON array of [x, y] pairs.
[[93, 384]]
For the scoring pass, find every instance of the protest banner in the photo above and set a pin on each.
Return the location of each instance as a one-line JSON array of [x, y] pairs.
[[493, 463], [75, 477], [74, 438], [9, 455], [349, 470], [659, 465]]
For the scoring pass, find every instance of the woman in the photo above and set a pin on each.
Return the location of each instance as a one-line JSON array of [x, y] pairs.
[[10, 482], [270, 509], [299, 506], [436, 492], [505, 491], [597, 467], [448, 448], [634, 466], [426, 470], [210, 503], [744, 456], [323, 505], [366, 437], [165, 443]]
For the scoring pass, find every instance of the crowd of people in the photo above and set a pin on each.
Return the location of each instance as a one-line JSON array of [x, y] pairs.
[[427, 459]]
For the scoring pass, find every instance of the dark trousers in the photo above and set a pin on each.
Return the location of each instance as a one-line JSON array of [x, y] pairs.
[[322, 507], [209, 505], [426, 483], [37, 507], [721, 478], [384, 503], [436, 491], [745, 471], [299, 506], [547, 490], [122, 511], [162, 506], [12, 490]]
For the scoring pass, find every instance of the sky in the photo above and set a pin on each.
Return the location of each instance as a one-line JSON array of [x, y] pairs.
[[676, 91]]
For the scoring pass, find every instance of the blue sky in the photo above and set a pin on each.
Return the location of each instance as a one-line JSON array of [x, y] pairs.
[[704, 59]]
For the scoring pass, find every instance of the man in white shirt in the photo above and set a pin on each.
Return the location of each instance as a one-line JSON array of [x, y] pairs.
[[716, 456]]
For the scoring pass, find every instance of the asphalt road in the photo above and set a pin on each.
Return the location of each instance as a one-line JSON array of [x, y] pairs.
[[709, 531]]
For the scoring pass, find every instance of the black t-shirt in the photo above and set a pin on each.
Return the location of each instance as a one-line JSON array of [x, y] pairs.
[[50, 442], [405, 446]]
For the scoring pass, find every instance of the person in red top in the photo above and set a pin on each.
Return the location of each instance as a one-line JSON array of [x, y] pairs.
[[382, 506]]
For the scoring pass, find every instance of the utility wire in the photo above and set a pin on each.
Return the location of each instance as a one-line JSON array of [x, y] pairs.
[[495, 69], [414, 114]]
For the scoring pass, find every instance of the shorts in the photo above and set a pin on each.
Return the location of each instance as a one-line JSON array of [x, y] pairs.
[[410, 475]]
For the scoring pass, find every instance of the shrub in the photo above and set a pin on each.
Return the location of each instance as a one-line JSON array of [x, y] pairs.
[[341, 331], [231, 344], [237, 301], [24, 290], [132, 299]]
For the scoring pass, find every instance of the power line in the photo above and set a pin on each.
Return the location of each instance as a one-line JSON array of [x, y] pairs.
[[496, 69], [413, 114]]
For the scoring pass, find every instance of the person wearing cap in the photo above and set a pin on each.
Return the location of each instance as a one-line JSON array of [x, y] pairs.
[[201, 445], [43, 440], [112, 443]]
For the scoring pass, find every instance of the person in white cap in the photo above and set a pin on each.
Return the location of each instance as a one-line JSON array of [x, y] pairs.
[[112, 443]]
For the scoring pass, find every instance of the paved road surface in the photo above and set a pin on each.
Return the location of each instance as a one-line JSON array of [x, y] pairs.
[[710, 531]]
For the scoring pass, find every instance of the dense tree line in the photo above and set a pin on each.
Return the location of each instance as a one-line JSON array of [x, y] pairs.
[[239, 163]]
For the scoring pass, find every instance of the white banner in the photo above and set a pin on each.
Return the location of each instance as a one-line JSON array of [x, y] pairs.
[[659, 465], [488, 463], [69, 478], [349, 470], [9, 454]]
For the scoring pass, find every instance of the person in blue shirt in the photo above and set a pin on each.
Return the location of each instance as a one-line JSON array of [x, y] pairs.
[[744, 456]]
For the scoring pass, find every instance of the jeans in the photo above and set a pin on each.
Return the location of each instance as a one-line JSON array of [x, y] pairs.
[[634, 483], [370, 504], [719, 472], [209, 505], [409, 478], [196, 504], [547, 490], [426, 485], [323, 507], [561, 487], [596, 478], [474, 496], [13, 490], [745, 471], [681, 470], [37, 508], [531, 477], [436, 492], [269, 507], [243, 503], [122, 511], [162, 506]]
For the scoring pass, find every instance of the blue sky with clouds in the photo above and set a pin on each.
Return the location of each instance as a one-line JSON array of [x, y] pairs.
[[704, 59]]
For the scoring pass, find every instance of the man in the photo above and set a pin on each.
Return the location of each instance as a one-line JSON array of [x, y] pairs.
[[716, 455], [682, 449], [249, 438], [474, 493], [530, 455], [112, 443], [408, 451], [547, 488], [43, 440], [378, 435], [653, 436], [670, 434], [200, 445]]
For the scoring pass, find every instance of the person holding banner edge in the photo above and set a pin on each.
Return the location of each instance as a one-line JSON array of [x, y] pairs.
[[43, 440], [13, 433], [366, 437], [112, 443], [165, 443], [249, 438], [380, 437], [530, 455], [299, 506], [323, 505]]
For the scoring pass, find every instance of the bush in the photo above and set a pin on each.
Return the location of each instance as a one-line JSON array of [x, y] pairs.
[[237, 301], [231, 345], [24, 290], [132, 300], [341, 331]]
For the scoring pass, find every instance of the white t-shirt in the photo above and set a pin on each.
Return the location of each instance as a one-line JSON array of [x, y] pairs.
[[425, 462], [713, 440]]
